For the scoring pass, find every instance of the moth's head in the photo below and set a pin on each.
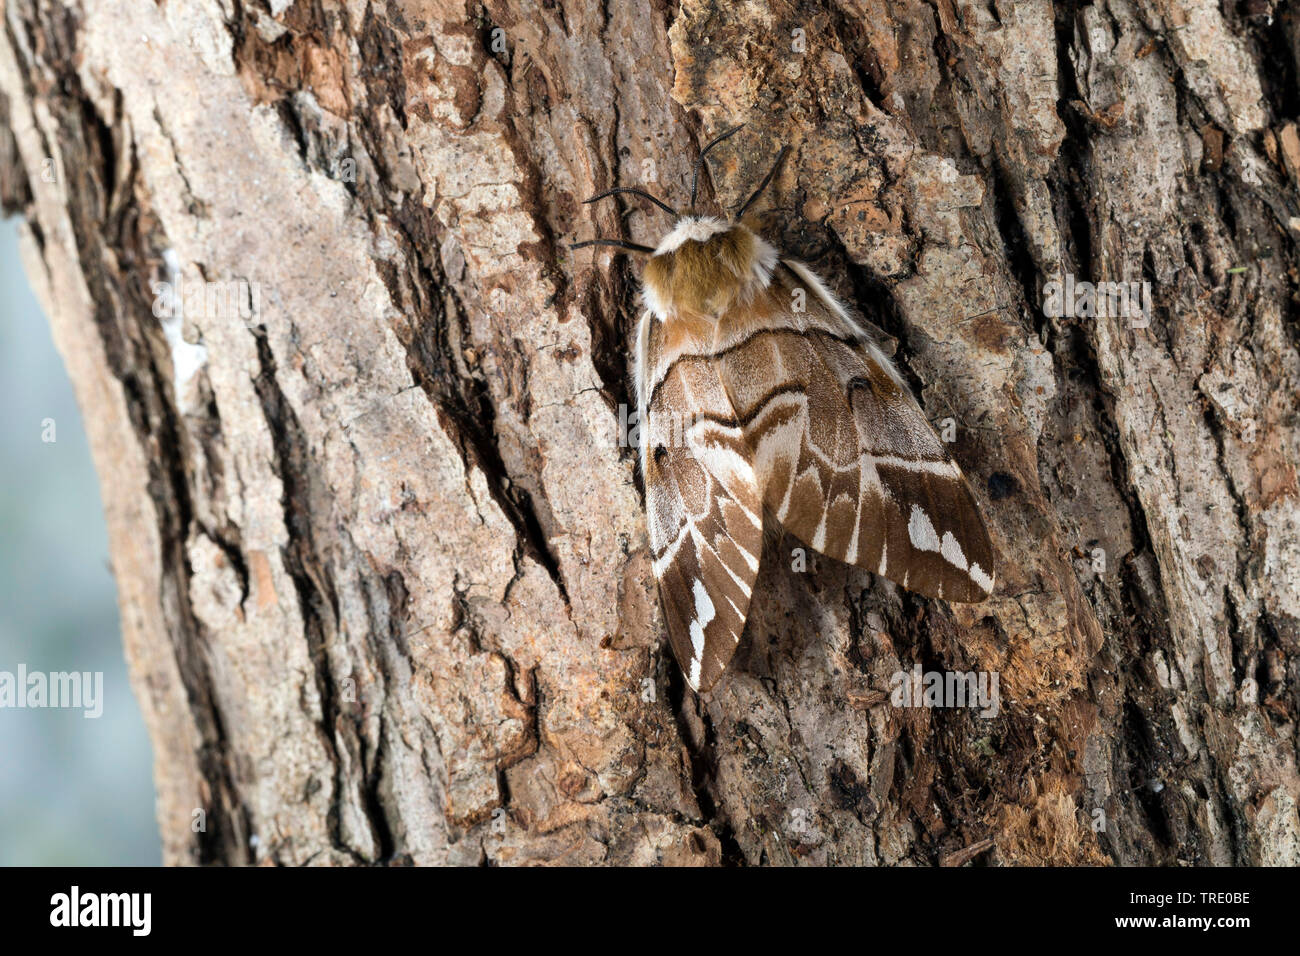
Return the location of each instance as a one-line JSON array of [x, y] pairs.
[[701, 266]]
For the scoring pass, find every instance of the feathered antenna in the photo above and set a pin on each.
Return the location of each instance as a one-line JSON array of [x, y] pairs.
[[616, 243], [623, 243], [763, 185], [695, 176], [635, 192]]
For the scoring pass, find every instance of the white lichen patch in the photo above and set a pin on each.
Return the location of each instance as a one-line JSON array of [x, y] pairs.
[[187, 358]]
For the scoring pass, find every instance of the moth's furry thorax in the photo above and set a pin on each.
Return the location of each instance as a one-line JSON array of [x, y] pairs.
[[704, 266]]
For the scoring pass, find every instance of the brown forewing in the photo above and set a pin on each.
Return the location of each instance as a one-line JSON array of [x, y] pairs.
[[704, 513], [846, 460]]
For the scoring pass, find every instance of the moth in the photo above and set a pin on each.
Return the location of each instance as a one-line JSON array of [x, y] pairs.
[[758, 394]]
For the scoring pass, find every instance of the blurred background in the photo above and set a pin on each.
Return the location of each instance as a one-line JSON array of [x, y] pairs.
[[72, 790]]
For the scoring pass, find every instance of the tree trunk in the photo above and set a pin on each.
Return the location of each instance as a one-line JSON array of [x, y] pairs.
[[381, 555]]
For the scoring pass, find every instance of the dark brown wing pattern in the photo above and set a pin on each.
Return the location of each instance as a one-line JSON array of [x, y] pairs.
[[784, 404], [703, 508], [845, 458]]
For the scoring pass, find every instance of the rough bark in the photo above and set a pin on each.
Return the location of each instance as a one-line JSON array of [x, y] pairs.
[[381, 559]]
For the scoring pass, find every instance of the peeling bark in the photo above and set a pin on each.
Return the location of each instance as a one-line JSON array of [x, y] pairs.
[[381, 557]]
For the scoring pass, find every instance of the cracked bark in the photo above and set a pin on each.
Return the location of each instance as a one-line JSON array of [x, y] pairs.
[[381, 560]]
